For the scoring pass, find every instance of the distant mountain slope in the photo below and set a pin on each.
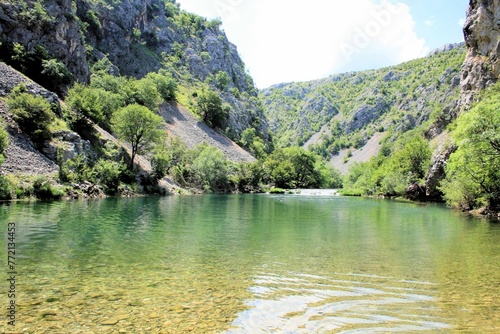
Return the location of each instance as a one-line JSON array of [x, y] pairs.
[[344, 111]]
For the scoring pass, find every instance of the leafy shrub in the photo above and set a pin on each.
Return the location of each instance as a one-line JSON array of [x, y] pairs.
[[7, 189], [248, 177], [32, 113], [222, 79], [108, 173], [165, 84], [210, 169], [277, 191], [75, 170], [160, 163], [44, 190], [145, 92], [95, 103], [294, 167], [56, 74], [209, 105]]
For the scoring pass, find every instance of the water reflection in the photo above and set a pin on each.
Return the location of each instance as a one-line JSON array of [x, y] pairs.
[[301, 303], [253, 263]]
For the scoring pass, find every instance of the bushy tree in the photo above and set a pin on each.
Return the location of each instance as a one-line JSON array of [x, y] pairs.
[[253, 143], [140, 127], [165, 84], [56, 73], [32, 113], [295, 167], [210, 108], [145, 92], [160, 162], [210, 169], [95, 103], [222, 79], [473, 171], [248, 176], [108, 173], [391, 175]]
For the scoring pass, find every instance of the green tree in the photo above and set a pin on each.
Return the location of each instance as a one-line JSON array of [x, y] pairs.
[[222, 79], [140, 127], [165, 84], [145, 92], [253, 143], [295, 167], [56, 73], [210, 108], [93, 102], [473, 173], [210, 169], [32, 113], [160, 162]]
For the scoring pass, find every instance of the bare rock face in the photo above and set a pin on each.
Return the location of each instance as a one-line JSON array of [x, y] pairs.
[[437, 173], [55, 28], [482, 38]]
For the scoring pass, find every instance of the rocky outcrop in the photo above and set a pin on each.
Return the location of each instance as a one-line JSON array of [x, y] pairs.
[[437, 173], [10, 78], [22, 155], [53, 27], [482, 37], [365, 115]]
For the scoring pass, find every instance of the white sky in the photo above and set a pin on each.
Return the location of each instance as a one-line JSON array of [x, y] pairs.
[[283, 41]]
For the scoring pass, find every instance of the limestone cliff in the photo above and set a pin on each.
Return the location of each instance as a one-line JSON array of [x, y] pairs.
[[482, 37], [480, 69]]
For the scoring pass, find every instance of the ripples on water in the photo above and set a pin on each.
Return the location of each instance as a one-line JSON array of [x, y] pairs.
[[350, 303]]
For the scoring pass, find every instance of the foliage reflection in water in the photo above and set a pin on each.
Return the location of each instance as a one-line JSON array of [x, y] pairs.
[[250, 263]]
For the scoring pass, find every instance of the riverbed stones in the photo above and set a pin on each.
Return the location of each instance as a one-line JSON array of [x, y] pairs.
[[109, 322]]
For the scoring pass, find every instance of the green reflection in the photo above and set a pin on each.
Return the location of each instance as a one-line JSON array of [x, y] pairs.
[[252, 262]]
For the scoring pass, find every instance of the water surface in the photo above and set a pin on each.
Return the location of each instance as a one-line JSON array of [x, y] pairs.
[[252, 264]]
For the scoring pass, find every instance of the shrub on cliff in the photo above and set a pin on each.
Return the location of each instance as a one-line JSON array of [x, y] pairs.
[[32, 113], [211, 109]]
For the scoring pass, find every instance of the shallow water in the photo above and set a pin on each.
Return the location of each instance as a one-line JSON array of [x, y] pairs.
[[251, 264]]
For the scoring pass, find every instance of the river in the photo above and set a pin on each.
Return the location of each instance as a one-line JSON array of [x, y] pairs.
[[250, 264]]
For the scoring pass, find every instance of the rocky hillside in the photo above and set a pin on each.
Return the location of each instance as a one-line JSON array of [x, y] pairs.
[[56, 42], [345, 111]]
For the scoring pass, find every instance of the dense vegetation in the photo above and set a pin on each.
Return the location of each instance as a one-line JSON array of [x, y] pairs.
[[207, 169], [473, 173], [132, 65], [398, 166]]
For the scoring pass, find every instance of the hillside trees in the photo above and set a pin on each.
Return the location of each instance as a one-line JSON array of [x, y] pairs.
[[473, 171]]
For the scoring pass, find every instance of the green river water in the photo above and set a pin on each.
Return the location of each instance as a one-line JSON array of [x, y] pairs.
[[250, 264]]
